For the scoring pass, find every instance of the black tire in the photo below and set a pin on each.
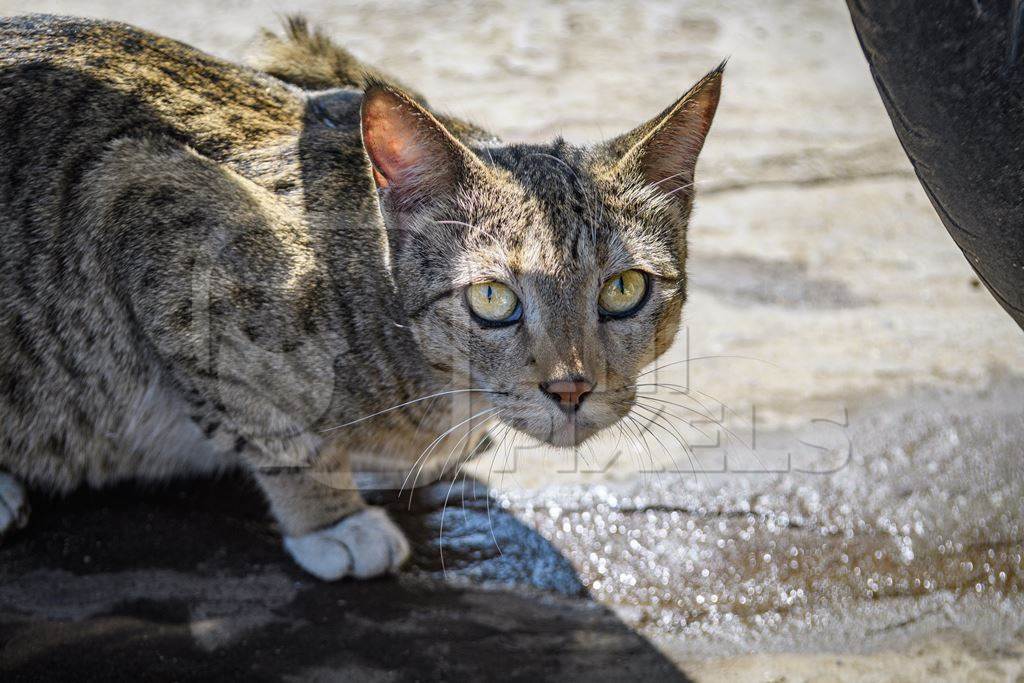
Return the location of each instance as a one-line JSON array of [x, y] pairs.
[[951, 75]]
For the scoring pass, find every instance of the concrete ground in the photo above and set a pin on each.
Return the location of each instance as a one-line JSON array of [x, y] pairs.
[[851, 507]]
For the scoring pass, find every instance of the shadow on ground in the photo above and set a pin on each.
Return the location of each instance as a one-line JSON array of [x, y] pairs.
[[189, 581]]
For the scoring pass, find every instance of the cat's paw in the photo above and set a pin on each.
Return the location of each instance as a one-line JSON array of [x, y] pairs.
[[363, 545], [13, 504]]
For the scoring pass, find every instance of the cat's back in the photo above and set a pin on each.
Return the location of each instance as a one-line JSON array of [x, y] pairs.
[[66, 79], [133, 61], [71, 88]]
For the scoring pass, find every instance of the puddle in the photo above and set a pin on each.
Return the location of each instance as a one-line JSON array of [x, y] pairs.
[[725, 562]]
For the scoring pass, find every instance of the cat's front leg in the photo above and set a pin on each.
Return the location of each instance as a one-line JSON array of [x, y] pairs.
[[328, 529], [13, 505]]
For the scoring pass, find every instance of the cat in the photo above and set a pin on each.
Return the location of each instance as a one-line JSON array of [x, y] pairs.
[[304, 271]]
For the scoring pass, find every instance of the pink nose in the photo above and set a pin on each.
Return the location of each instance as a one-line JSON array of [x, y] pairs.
[[569, 393]]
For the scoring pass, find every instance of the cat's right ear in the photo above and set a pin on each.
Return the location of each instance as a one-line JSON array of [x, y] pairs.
[[415, 160]]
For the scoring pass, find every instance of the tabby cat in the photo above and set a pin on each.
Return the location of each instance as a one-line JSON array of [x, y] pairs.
[[303, 271]]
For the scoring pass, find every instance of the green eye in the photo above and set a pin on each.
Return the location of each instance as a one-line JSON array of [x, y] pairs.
[[623, 294], [493, 303]]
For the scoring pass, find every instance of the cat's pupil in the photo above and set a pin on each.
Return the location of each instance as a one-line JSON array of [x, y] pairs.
[[620, 284], [490, 292]]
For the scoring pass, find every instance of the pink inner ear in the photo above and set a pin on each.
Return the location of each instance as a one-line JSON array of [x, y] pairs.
[[673, 150], [391, 140], [412, 155], [670, 155]]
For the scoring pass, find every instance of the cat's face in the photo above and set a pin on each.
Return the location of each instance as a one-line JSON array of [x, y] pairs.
[[549, 275]]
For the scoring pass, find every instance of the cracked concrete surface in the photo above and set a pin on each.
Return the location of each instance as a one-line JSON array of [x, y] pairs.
[[850, 508]]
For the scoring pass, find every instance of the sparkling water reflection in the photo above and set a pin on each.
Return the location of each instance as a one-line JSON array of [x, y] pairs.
[[921, 530]]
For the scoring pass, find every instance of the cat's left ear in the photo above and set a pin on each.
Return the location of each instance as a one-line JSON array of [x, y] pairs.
[[662, 153], [415, 160]]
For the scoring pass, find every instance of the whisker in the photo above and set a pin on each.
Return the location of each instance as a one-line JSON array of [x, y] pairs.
[[634, 439], [490, 523], [686, 392], [429, 449], [409, 403], [719, 423], [460, 469], [748, 447], [655, 414], [440, 532], [640, 432], [707, 415], [622, 434], [687, 448], [469, 430], [465, 483], [645, 427], [647, 423], [681, 390], [426, 414], [690, 424], [721, 403], [615, 448], [422, 461], [455, 479], [687, 360], [590, 448], [465, 475], [504, 462]]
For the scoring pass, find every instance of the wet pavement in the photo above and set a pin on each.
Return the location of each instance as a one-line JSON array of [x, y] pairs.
[[851, 399]]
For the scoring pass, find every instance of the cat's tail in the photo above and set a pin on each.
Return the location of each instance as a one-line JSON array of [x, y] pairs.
[[306, 57]]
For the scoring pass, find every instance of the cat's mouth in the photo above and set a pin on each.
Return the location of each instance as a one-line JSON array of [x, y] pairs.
[[564, 431], [556, 426], [573, 433]]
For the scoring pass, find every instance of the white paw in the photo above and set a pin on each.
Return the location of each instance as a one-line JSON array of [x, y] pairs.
[[362, 545], [13, 504]]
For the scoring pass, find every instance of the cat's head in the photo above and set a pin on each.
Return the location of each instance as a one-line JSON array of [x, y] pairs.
[[548, 274]]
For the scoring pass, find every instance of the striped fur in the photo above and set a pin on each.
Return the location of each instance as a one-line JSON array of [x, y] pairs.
[[198, 270]]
